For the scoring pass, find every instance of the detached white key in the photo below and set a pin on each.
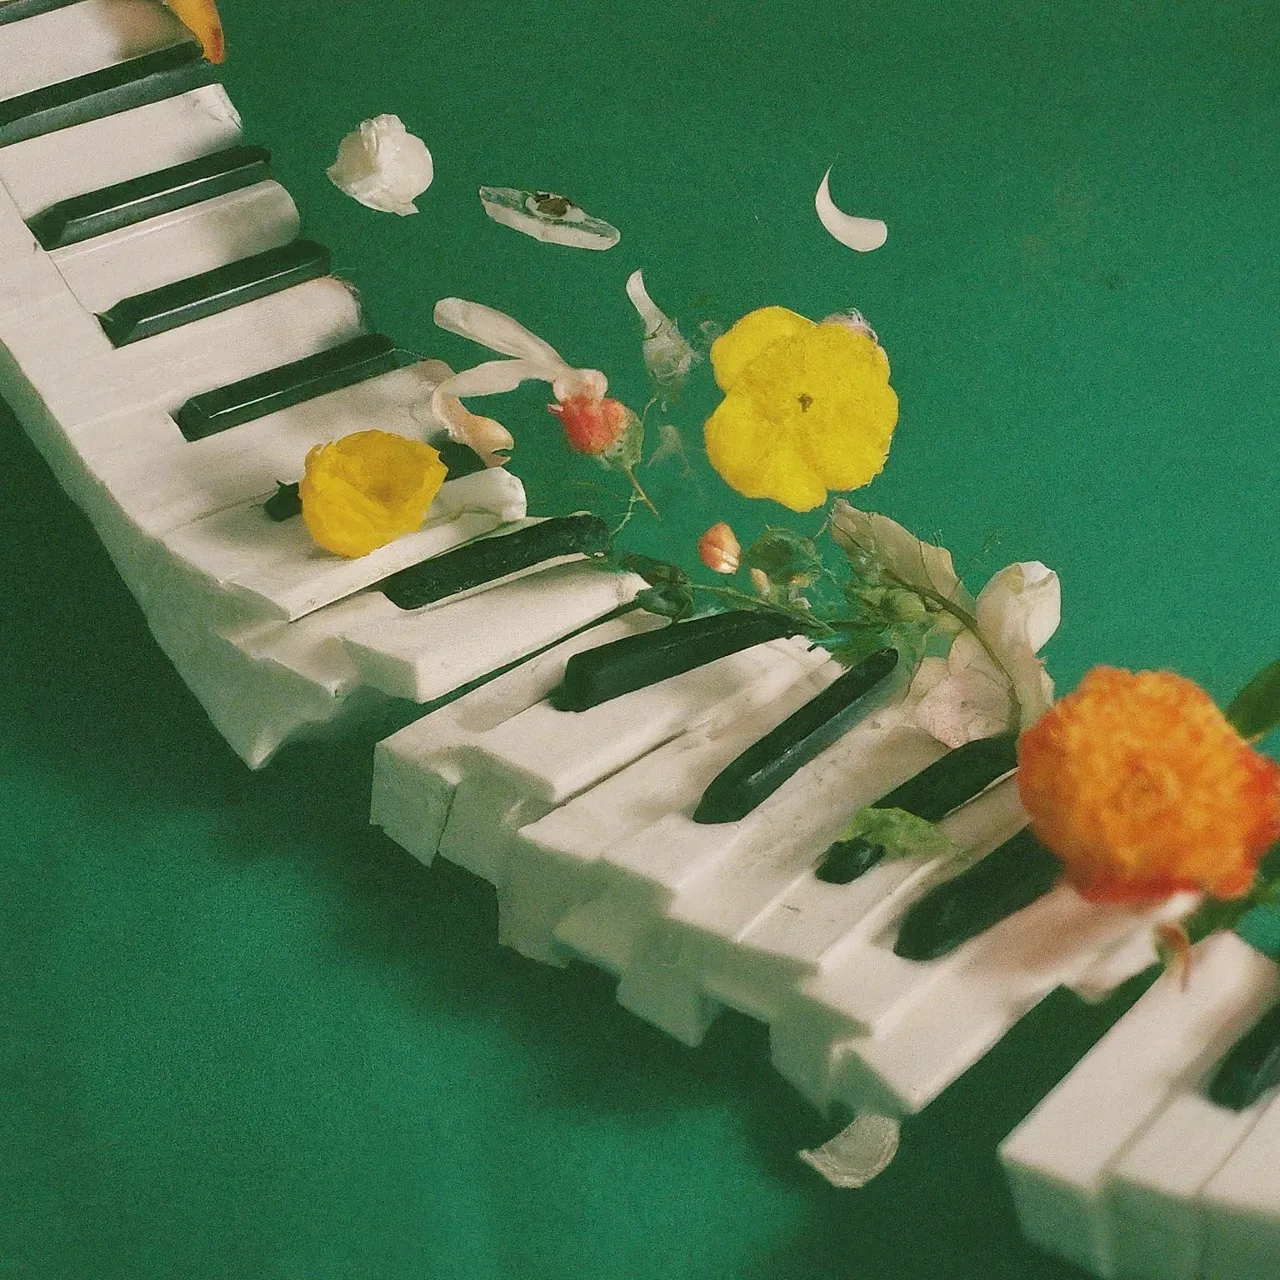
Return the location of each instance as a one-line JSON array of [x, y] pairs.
[[1242, 1207], [1059, 1160]]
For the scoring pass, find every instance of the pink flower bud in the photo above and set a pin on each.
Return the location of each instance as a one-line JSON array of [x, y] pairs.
[[718, 549], [591, 425]]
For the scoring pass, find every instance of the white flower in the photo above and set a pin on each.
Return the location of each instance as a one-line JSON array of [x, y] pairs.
[[967, 696], [383, 166], [531, 358]]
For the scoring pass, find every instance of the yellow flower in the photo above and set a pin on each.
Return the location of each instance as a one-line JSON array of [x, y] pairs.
[[1142, 787], [365, 490], [807, 408]]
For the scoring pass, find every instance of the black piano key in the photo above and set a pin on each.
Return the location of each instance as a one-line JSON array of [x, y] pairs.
[[16, 10], [1012, 877], [159, 310], [760, 770], [1252, 1067], [932, 794], [134, 83], [362, 358], [633, 662], [110, 208], [488, 559]]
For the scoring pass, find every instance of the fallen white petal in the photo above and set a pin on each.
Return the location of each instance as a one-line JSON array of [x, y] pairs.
[[862, 234], [547, 217], [383, 166], [667, 355], [858, 1153], [497, 331]]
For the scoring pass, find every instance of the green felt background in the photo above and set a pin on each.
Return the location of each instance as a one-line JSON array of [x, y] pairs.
[[243, 1035]]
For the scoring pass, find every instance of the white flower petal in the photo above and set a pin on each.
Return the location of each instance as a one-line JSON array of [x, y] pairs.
[[1017, 612], [383, 166], [547, 217], [499, 332], [918, 564], [862, 234], [667, 356]]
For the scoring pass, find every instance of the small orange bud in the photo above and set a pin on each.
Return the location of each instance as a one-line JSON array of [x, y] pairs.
[[719, 550], [592, 425]]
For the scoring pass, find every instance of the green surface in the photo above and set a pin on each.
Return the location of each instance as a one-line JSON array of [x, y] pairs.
[[242, 1035]]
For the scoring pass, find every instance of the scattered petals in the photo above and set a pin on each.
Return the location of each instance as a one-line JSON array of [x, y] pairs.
[[367, 489], [1143, 788], [808, 407], [857, 1153], [862, 234], [383, 166], [667, 356], [548, 217], [719, 549], [200, 17]]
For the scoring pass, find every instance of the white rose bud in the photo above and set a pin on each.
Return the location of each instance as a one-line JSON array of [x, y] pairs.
[[383, 166]]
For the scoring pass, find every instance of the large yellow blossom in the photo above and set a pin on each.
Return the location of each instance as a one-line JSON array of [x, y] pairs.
[[365, 490], [808, 407], [1143, 788]]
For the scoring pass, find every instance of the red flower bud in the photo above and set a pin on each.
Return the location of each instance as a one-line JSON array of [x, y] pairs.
[[592, 426]]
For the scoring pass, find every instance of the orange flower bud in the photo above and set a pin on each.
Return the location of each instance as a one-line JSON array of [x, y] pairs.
[[719, 550], [1143, 788]]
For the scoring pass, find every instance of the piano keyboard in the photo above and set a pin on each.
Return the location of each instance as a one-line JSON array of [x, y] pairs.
[[174, 347]]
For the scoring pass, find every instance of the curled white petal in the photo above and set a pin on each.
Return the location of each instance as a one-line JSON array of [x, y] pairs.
[[496, 330], [667, 355], [1017, 612], [383, 166], [548, 217], [862, 234], [971, 700]]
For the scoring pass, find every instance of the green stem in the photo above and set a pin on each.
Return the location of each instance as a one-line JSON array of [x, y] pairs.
[[808, 622], [640, 494]]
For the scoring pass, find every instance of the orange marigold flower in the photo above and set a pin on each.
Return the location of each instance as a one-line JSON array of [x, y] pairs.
[[1142, 787]]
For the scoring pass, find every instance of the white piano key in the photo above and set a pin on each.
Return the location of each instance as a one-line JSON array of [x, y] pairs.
[[1241, 1206], [565, 858], [529, 764], [418, 769], [41, 171], [165, 481], [62, 351], [939, 1017], [1059, 1159], [176, 245], [1156, 1215], [65, 43], [277, 569], [422, 654], [745, 912]]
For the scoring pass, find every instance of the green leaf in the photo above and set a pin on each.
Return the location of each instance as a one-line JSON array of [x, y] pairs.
[[1255, 710], [626, 452], [899, 833]]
